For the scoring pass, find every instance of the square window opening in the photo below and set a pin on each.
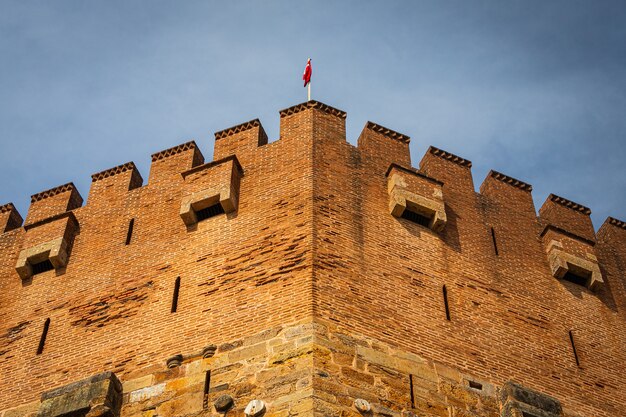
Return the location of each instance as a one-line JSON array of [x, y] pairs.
[[416, 217], [211, 211], [577, 276], [42, 266]]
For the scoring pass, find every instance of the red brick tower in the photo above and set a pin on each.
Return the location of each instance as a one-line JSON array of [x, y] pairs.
[[307, 276]]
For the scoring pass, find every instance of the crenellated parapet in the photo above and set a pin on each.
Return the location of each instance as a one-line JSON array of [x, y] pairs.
[[566, 225], [566, 230]]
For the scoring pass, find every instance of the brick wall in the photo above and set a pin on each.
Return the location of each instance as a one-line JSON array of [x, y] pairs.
[[312, 242]]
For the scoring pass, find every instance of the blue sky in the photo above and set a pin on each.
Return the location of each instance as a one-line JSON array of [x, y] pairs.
[[531, 88]]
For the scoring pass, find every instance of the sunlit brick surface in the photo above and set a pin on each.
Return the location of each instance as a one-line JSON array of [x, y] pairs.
[[312, 292]]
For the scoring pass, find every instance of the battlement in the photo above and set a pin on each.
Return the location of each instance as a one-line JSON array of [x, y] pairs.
[[312, 104], [510, 180], [387, 132], [561, 213], [175, 150], [453, 170], [509, 197], [612, 234], [113, 183], [10, 218], [241, 139], [112, 171], [55, 191], [615, 222], [386, 146], [308, 276], [53, 201], [5, 208], [569, 204], [238, 129], [234, 141], [448, 156], [168, 163]]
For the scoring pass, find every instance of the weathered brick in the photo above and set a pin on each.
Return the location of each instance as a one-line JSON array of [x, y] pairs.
[[311, 276]]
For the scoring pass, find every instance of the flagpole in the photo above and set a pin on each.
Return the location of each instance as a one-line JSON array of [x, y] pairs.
[[309, 89]]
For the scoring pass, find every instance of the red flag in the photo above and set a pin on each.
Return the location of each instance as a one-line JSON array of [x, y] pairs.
[[307, 73]]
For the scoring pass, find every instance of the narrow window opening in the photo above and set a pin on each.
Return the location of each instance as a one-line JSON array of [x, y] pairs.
[[207, 386], [175, 295], [129, 234], [445, 302], [493, 238], [416, 218], [44, 334], [577, 278], [211, 211], [42, 266], [411, 387], [476, 385], [571, 339]]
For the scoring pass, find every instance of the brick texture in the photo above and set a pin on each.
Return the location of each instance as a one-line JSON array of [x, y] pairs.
[[312, 292]]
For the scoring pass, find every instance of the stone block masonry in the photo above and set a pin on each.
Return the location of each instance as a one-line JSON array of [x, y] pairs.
[[308, 274]]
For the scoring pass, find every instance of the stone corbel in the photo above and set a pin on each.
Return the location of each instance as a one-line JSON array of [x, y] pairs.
[[97, 396], [562, 262], [54, 250], [400, 199], [519, 401]]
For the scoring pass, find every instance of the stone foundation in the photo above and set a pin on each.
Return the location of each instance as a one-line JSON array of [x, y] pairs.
[[301, 370]]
